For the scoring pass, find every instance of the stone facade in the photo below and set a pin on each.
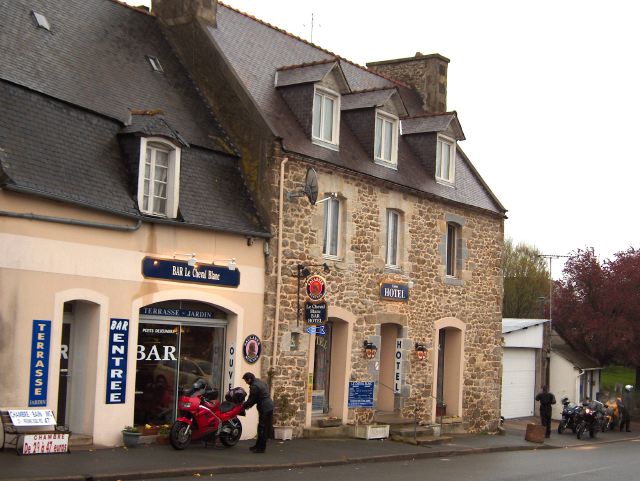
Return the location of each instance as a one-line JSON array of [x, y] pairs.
[[352, 285]]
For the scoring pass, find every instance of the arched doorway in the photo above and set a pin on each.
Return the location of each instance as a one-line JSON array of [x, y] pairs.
[[390, 335], [78, 366], [330, 360], [449, 355]]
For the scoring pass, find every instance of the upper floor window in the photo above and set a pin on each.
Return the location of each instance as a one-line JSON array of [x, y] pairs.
[[331, 227], [326, 120], [445, 160], [452, 242], [158, 178], [393, 228], [386, 139]]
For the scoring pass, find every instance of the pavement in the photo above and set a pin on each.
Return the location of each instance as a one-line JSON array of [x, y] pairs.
[[155, 461]]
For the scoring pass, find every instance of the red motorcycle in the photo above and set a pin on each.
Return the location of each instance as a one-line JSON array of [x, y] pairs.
[[202, 417]]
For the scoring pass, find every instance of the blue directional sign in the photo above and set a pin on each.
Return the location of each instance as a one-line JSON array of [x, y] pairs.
[[317, 330]]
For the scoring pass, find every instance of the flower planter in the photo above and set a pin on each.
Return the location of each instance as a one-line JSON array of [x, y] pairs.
[[372, 431], [130, 439], [153, 430], [283, 432]]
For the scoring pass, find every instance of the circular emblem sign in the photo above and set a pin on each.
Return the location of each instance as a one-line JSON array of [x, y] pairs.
[[316, 287], [251, 348]]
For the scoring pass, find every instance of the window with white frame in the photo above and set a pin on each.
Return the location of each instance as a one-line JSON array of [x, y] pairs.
[[386, 139], [331, 228], [393, 230], [158, 178], [445, 160], [326, 117], [452, 243]]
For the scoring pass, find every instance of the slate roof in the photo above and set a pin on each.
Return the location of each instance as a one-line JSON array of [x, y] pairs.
[[432, 123], [579, 360], [255, 51], [66, 96], [371, 98], [510, 324], [303, 73]]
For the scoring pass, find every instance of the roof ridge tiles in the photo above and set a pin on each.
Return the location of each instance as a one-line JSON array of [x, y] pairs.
[[439, 114], [133, 7], [372, 89], [308, 64], [289, 34]]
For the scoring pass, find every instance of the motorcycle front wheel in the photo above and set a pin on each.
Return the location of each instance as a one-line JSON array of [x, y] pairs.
[[231, 432], [180, 436], [581, 429], [562, 426]]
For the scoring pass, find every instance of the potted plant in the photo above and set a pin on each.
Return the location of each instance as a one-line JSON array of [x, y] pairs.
[[130, 436], [149, 430], [283, 415], [163, 434]]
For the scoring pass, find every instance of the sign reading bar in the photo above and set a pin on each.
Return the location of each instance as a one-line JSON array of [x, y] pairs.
[[117, 361], [394, 292], [181, 271], [315, 313], [40, 341], [360, 394]]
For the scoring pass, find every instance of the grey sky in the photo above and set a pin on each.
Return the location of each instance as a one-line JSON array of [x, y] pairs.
[[546, 92]]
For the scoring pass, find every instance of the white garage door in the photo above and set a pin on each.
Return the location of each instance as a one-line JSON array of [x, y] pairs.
[[518, 382]]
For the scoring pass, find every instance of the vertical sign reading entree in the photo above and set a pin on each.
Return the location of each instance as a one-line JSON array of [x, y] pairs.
[[117, 361]]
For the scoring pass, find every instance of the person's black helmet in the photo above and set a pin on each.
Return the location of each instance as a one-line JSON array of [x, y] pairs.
[[564, 400], [248, 377], [199, 384]]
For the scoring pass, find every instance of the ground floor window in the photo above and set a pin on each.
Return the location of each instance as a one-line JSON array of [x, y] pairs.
[[173, 352]]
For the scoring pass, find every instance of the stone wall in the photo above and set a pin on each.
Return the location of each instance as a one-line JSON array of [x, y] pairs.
[[353, 284]]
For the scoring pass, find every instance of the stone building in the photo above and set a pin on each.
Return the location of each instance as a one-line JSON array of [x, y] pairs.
[[405, 238]]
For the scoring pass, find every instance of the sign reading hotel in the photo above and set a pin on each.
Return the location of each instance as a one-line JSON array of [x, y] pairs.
[[397, 374], [181, 271], [40, 341], [394, 292], [315, 312], [117, 361]]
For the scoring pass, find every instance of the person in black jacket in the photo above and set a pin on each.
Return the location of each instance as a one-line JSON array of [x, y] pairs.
[[259, 395], [546, 399]]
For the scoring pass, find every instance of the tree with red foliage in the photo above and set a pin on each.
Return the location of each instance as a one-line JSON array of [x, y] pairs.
[[596, 306]]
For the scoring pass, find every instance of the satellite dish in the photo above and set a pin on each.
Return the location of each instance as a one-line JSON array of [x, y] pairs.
[[311, 186]]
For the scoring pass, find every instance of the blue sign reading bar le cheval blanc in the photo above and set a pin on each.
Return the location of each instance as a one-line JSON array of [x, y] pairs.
[[183, 272]]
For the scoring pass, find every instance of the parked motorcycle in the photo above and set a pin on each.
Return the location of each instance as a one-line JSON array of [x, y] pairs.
[[590, 418], [570, 415], [202, 417], [611, 416]]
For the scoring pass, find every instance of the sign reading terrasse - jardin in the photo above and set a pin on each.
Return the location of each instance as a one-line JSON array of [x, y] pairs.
[[181, 271]]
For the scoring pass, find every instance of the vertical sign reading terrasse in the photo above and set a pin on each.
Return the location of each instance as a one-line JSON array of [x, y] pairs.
[[117, 361], [40, 340]]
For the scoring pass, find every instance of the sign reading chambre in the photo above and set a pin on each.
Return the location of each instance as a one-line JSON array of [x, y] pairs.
[[173, 270]]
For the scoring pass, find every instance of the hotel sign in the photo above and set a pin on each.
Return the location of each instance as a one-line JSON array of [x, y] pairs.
[[181, 271], [394, 292]]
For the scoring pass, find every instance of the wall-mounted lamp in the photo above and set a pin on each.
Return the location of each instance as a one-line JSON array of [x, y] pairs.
[[231, 263], [191, 261], [421, 351], [370, 349], [410, 284], [249, 240]]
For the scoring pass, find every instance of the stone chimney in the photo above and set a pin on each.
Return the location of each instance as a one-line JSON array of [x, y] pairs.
[[181, 12], [426, 73]]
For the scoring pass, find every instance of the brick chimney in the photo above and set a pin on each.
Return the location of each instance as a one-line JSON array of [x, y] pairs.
[[426, 73], [180, 12]]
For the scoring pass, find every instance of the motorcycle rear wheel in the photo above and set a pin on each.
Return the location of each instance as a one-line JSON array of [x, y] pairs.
[[581, 429], [562, 426], [180, 436], [592, 432], [231, 433]]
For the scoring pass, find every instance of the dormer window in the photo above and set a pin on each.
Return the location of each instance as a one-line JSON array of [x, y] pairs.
[[445, 160], [326, 118], [159, 179], [386, 139]]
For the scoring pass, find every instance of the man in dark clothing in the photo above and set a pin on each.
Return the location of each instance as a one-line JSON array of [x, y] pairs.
[[624, 408], [546, 399], [259, 395]]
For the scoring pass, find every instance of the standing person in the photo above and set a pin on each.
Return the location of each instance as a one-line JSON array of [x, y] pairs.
[[625, 408], [259, 395], [546, 399]]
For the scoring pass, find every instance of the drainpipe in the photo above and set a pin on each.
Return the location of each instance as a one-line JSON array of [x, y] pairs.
[[276, 320], [62, 220]]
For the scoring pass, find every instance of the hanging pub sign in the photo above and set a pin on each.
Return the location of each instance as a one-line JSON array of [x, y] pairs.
[[251, 348], [173, 270], [315, 312], [40, 341], [316, 287], [394, 292]]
